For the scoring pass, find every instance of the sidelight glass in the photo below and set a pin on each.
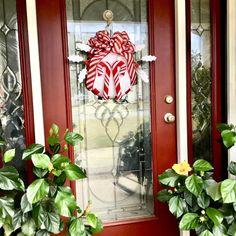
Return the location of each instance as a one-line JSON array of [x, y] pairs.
[[11, 103], [201, 78], [116, 151]]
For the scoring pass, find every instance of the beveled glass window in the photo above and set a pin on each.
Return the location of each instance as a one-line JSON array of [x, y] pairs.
[[116, 151], [11, 103], [201, 78]]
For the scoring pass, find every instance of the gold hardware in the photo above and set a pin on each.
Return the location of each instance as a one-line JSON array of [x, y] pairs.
[[169, 118], [169, 99], [108, 16]]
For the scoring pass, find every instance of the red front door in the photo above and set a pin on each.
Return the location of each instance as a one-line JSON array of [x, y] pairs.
[[59, 107]]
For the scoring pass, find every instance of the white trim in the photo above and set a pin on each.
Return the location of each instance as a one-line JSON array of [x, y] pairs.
[[181, 83], [35, 71], [231, 68]]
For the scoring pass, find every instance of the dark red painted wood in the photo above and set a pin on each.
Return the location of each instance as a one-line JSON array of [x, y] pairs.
[[25, 77], [57, 107], [53, 65], [217, 56]]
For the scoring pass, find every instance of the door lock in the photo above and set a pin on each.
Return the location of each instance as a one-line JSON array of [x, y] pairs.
[[169, 99], [169, 118]]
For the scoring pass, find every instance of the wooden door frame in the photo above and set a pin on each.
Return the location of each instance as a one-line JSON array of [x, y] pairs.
[[53, 52]]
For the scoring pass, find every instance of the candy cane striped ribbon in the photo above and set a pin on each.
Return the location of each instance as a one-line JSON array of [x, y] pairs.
[[118, 69], [102, 44]]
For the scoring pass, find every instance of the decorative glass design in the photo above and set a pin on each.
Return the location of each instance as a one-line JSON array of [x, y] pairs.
[[201, 78], [116, 150], [11, 104]]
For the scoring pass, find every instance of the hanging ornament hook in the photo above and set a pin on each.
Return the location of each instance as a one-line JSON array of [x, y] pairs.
[[108, 16]]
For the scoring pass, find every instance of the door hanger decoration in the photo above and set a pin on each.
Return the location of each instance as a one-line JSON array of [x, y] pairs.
[[110, 68]]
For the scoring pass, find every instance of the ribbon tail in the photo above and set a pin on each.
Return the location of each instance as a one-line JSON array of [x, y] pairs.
[[119, 68], [106, 80]]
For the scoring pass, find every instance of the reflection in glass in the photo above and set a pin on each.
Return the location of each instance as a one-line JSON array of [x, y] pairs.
[[11, 104], [201, 78], [116, 151]]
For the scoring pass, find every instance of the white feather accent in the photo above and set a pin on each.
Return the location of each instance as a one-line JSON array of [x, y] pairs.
[[139, 47], [82, 75], [143, 75], [148, 58], [83, 47], [75, 58]]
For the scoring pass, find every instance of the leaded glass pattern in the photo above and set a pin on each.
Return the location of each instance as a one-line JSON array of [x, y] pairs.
[[11, 104], [116, 151], [201, 78]]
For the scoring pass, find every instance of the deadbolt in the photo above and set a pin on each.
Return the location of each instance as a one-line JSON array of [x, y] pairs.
[[169, 118], [169, 99]]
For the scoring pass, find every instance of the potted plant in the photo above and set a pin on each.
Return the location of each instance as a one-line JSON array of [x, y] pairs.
[[199, 202], [46, 206]]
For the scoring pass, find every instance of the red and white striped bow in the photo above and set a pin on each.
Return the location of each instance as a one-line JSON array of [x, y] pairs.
[[101, 45]]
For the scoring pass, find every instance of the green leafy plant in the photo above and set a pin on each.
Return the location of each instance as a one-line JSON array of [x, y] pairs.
[[46, 206], [196, 199]]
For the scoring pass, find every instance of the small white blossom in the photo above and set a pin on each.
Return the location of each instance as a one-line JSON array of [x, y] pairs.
[[142, 75], [82, 75], [83, 47], [140, 47], [75, 58], [202, 219], [148, 58]]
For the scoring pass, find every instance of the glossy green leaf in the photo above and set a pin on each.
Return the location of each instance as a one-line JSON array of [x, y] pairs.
[[29, 227], [25, 205], [34, 148], [229, 138], [232, 168], [73, 172], [60, 180], [99, 227], [177, 206], [58, 160], [221, 127], [41, 161], [65, 203], [215, 215], [228, 191], [214, 191], [77, 228], [189, 221], [9, 154], [194, 184], [203, 200], [55, 129], [232, 230], [37, 190], [40, 173], [42, 233], [52, 141], [9, 178], [219, 230], [206, 233], [72, 138], [92, 220], [6, 207], [52, 222], [202, 165], [169, 178], [16, 220], [164, 195]]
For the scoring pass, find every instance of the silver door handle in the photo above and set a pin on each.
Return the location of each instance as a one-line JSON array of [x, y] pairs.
[[169, 118]]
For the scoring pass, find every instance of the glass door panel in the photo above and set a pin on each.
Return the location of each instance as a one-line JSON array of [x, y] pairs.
[[12, 128], [116, 151]]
